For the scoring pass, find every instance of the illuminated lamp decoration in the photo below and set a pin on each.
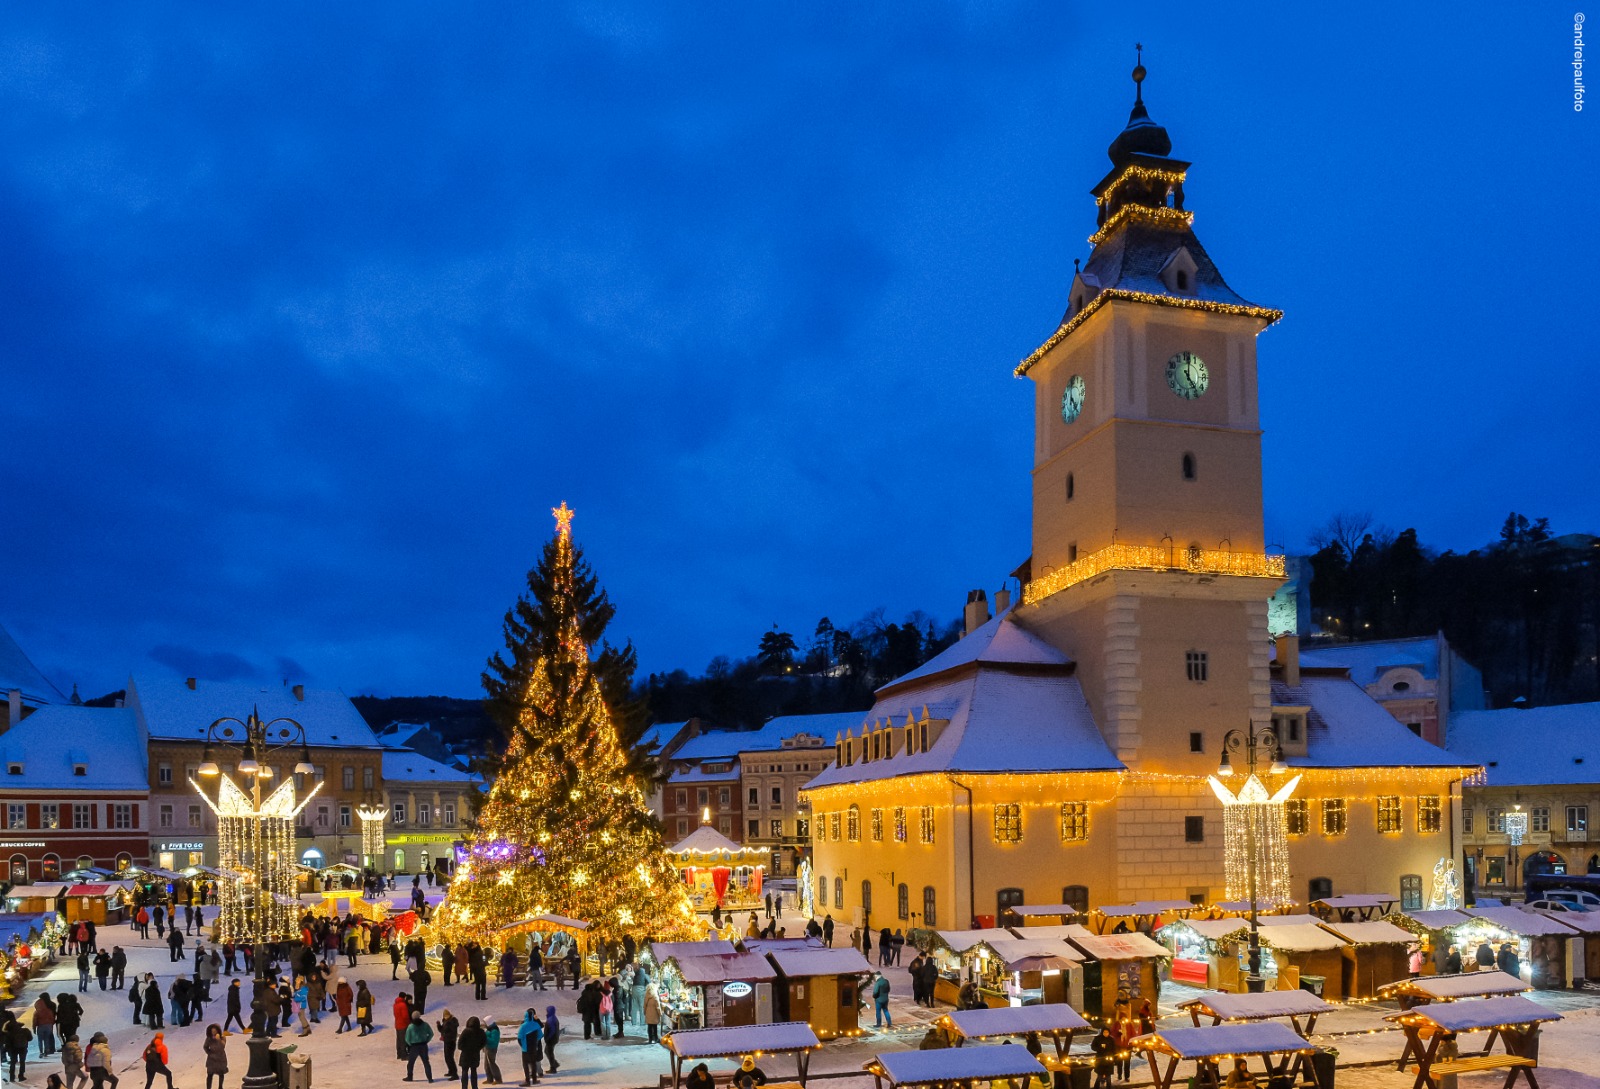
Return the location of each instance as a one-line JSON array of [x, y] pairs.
[[1446, 891], [255, 848], [1252, 815], [802, 884], [371, 835], [1516, 826], [1129, 557], [1181, 302]]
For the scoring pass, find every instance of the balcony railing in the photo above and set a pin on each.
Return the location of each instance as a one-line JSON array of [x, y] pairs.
[[1127, 557]]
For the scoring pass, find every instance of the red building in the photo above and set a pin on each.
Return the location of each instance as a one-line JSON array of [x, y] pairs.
[[73, 791]]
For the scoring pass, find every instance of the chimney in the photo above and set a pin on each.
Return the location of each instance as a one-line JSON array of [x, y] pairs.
[[1002, 601], [1289, 659], [14, 709], [977, 610], [299, 691], [190, 682]]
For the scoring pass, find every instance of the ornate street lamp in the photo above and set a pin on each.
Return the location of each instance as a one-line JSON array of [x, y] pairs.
[[1254, 836], [372, 835], [256, 849]]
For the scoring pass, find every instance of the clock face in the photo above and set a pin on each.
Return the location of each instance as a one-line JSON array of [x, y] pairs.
[[1072, 398], [1187, 375]]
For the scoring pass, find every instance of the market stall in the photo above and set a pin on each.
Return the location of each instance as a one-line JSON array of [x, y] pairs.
[[778, 945], [100, 904], [1300, 955], [1355, 907], [1436, 932], [1041, 914], [1028, 971], [1583, 956], [1147, 916], [31, 899], [723, 989], [1422, 990], [1054, 1021], [952, 1068], [949, 950], [821, 987], [1431, 1034], [1280, 1051], [1378, 954], [1538, 940], [337, 904], [1240, 909], [717, 871], [1118, 966], [27, 947], [1222, 1006], [689, 1046], [1199, 947]]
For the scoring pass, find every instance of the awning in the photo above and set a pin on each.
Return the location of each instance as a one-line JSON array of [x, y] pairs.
[[1257, 1007], [954, 1064], [1046, 1019], [1481, 1013], [1121, 947], [1215, 1041]]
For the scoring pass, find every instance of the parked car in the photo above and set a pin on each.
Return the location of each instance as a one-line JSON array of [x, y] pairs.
[[1555, 906], [1583, 901]]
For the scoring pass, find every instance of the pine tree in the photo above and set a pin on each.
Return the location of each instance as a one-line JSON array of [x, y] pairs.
[[566, 827]]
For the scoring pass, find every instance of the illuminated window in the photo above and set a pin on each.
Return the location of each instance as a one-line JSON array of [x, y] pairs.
[[1297, 816], [16, 816], [925, 832], [1074, 822], [1196, 665], [1388, 813], [777, 828], [853, 824], [1334, 817], [1007, 822], [1430, 815], [833, 827], [899, 824], [877, 826], [50, 816], [802, 828]]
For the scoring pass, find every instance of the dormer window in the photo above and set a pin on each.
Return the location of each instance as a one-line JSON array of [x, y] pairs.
[[80, 769], [14, 767], [1179, 273]]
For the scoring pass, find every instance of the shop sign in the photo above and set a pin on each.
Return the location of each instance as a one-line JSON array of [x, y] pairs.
[[22, 843], [181, 847], [736, 989]]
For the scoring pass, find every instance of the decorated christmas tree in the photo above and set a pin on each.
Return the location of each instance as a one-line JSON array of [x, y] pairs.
[[566, 828]]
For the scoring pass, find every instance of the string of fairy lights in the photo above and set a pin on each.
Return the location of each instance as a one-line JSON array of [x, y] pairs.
[[1132, 557]]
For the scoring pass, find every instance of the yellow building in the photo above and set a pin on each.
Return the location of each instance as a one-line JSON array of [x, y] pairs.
[[1059, 752]]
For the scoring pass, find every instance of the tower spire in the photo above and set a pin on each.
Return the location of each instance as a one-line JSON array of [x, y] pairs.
[[1138, 73]]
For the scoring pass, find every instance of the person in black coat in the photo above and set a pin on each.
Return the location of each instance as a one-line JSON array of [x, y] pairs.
[[119, 966], [175, 944], [479, 966], [447, 958], [473, 1040], [154, 1018], [235, 1007], [420, 979], [589, 1009], [69, 1015], [449, 1029], [1452, 961]]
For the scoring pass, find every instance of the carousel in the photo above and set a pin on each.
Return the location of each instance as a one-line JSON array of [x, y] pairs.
[[719, 872]]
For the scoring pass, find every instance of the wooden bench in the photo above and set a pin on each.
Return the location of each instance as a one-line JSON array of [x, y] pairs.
[[1472, 1064]]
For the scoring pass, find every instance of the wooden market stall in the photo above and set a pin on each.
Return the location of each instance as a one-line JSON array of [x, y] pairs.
[[949, 949], [953, 1068], [1240, 909], [1143, 915], [1540, 941], [1223, 1006], [1053, 1021], [1282, 1052], [688, 1046], [1432, 1031], [1583, 954], [101, 904], [1041, 914], [821, 987], [339, 903], [1422, 990], [27, 947], [778, 945], [1355, 907], [1119, 966], [716, 991], [1435, 930], [1028, 971], [1378, 954], [32, 899], [719, 872], [1303, 955], [1199, 947]]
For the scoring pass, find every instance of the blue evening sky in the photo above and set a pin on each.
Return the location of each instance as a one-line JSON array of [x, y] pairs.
[[313, 311]]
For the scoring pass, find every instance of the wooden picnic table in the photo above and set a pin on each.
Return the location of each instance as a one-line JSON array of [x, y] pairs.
[[1431, 1032], [1209, 1046]]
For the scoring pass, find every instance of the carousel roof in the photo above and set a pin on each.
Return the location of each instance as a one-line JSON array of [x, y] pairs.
[[706, 840]]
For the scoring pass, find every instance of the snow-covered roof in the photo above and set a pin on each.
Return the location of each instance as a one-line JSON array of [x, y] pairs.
[[997, 720], [1371, 933], [1298, 919], [1000, 641], [398, 735], [730, 743], [1483, 1013], [1369, 661], [1555, 745], [1144, 907], [1300, 939], [698, 774], [47, 890], [1525, 924], [1033, 954], [713, 1043], [17, 671], [1025, 911], [1252, 1038], [1460, 985], [410, 767], [1437, 918], [962, 940], [778, 945], [951, 1064], [1016, 1020], [1133, 259], [1256, 1007], [1358, 900], [1134, 946], [58, 737], [172, 711], [664, 951], [1347, 728], [658, 734], [818, 962], [706, 840], [1059, 931], [724, 968], [1214, 929]]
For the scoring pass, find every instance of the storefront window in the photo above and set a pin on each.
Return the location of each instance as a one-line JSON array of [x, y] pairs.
[[1494, 870]]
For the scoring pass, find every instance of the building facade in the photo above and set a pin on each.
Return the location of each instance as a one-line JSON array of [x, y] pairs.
[[1060, 752], [1419, 681], [428, 806], [774, 765], [176, 714]]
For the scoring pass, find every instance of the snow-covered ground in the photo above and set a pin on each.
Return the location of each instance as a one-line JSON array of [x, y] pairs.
[[1569, 1057]]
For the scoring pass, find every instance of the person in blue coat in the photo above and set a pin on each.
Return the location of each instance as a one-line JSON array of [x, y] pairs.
[[530, 1037]]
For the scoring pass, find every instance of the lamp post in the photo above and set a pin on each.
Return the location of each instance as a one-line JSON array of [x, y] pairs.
[[1252, 746], [254, 833]]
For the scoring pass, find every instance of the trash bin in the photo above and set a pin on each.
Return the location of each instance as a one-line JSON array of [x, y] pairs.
[[281, 1061], [1081, 1075], [1313, 984], [300, 1072], [1324, 1061]]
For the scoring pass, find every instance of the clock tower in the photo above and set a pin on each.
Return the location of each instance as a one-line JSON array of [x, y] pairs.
[[1149, 565]]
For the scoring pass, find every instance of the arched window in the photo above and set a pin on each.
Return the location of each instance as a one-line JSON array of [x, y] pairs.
[[311, 858], [822, 890], [124, 860], [930, 915], [50, 868], [1320, 888], [853, 824], [1077, 898], [85, 862], [1188, 467], [1071, 486], [19, 870], [400, 859], [838, 893], [903, 900], [866, 899], [1411, 892]]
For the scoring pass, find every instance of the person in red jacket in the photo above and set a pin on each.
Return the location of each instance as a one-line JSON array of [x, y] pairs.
[[155, 1061], [402, 1021]]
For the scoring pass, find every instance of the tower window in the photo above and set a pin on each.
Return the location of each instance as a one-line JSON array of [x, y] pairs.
[[1078, 304], [1188, 467], [1197, 741], [1194, 829], [1072, 552], [1183, 280], [1071, 486], [1195, 664]]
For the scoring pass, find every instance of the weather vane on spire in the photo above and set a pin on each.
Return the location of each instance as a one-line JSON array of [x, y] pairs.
[[563, 515], [1138, 71]]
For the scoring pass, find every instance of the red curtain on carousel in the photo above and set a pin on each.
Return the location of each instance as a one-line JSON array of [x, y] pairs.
[[719, 881], [688, 876], [755, 881]]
